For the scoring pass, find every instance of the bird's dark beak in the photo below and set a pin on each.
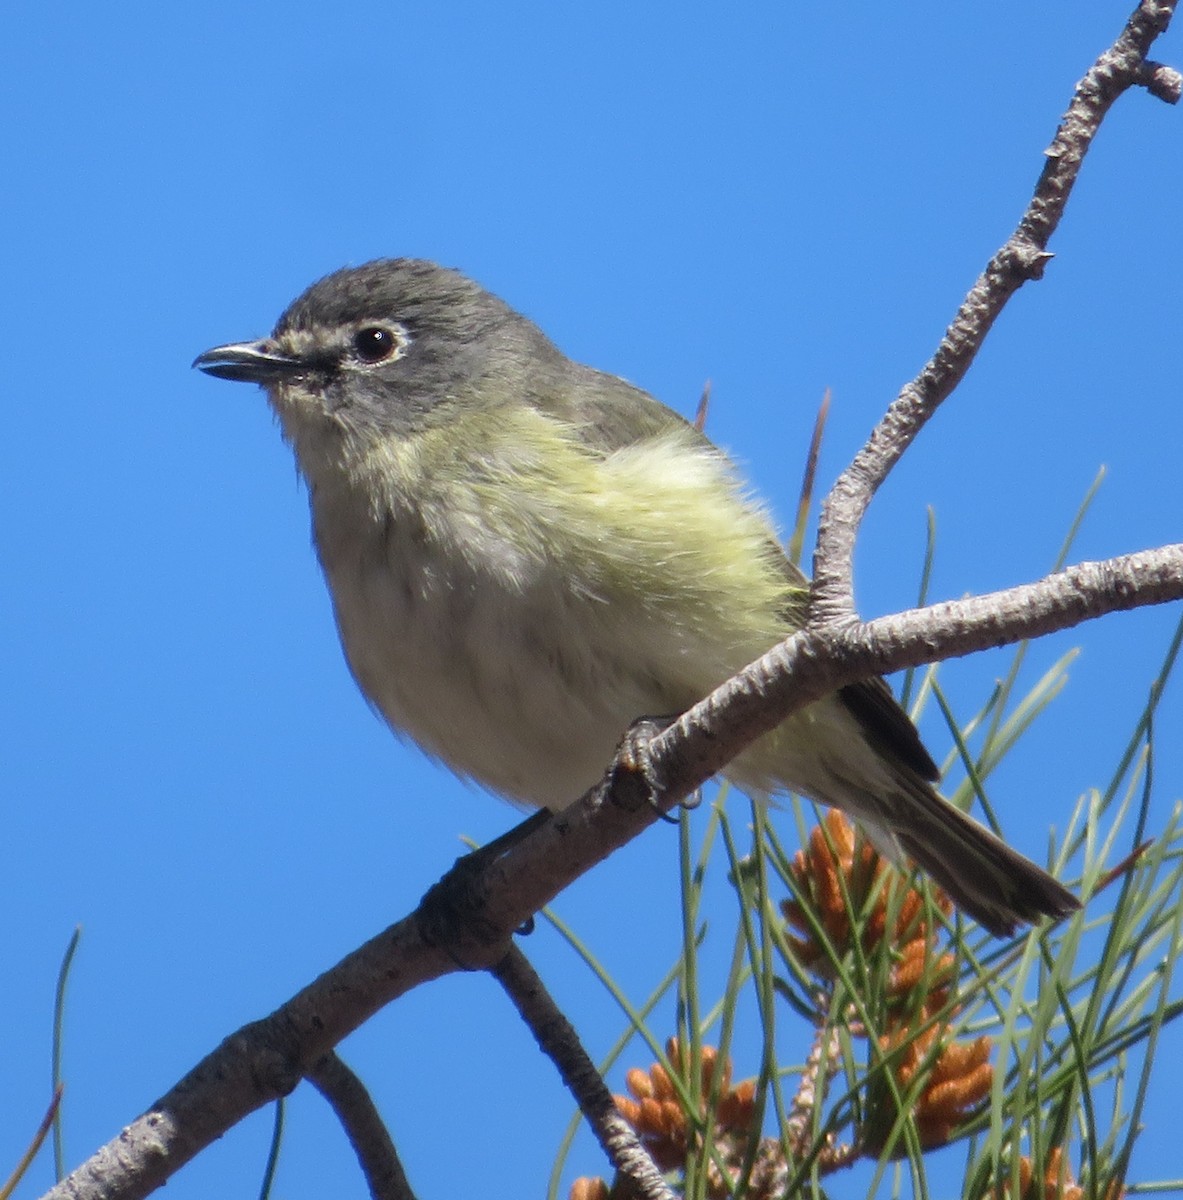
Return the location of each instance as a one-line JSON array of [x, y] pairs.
[[249, 362]]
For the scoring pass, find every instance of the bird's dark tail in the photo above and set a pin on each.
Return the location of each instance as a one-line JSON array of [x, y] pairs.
[[994, 884]]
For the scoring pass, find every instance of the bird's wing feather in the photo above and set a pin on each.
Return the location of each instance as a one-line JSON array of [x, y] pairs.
[[887, 727], [616, 417]]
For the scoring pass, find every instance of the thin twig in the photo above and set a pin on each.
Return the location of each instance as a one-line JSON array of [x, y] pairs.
[[367, 1133], [560, 1043], [825, 1058], [1023, 257]]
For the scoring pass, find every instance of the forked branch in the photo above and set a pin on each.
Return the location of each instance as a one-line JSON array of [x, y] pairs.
[[1023, 257]]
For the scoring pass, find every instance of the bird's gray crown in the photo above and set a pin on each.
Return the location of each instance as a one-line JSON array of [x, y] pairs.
[[416, 292]]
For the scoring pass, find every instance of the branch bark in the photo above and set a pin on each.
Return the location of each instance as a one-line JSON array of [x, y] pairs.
[[1024, 256], [558, 1040], [363, 1125]]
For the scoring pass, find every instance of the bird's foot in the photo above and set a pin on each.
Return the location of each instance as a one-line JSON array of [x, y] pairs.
[[631, 780]]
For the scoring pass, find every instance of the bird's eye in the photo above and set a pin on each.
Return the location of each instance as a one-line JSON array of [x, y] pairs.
[[375, 343]]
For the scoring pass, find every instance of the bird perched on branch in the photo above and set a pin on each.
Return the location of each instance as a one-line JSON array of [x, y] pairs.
[[525, 555]]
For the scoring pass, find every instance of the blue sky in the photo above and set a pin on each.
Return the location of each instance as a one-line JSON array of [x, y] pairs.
[[782, 198]]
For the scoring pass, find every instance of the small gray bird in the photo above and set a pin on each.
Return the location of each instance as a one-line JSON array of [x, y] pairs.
[[525, 555]]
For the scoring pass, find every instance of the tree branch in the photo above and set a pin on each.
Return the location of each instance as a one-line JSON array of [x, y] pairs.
[[369, 1137], [560, 1043], [815, 662], [1023, 257], [266, 1059]]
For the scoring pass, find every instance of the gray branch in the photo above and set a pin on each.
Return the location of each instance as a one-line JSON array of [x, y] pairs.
[[558, 1040], [363, 1125], [815, 662], [1023, 257], [266, 1059]]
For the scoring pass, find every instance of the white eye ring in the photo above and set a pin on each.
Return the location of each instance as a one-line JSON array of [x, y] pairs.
[[373, 344]]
